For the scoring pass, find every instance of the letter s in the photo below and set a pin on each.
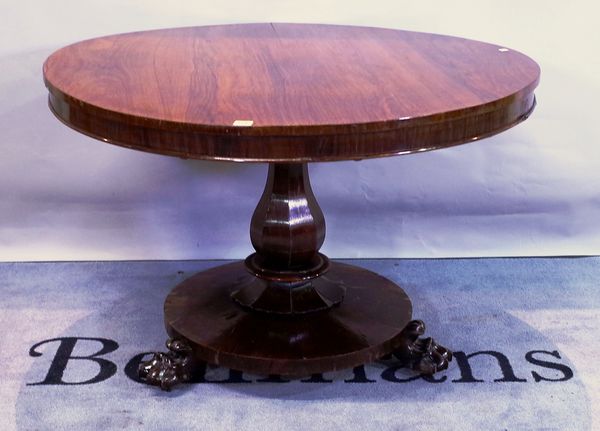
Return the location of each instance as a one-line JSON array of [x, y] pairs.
[[566, 371]]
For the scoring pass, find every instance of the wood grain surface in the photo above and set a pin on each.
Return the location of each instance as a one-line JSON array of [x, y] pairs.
[[367, 325], [310, 92]]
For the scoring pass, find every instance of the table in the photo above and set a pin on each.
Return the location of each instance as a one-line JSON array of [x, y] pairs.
[[287, 95]]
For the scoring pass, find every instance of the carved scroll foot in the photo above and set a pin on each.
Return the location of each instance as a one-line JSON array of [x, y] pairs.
[[421, 354], [168, 369]]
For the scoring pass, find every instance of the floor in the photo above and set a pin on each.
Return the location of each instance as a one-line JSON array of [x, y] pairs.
[[524, 331]]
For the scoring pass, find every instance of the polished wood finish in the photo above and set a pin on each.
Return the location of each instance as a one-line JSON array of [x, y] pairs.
[[171, 368], [287, 228], [287, 231], [424, 355], [312, 92], [368, 324], [288, 94], [312, 295]]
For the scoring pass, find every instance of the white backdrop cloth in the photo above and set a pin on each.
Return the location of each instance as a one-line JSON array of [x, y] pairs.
[[533, 190]]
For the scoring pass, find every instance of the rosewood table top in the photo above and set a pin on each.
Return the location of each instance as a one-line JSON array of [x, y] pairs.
[[288, 92]]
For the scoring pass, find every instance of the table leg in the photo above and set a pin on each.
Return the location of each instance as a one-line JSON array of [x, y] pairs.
[[287, 309]]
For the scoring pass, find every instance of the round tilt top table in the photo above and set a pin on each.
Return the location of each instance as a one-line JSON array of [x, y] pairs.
[[288, 94]]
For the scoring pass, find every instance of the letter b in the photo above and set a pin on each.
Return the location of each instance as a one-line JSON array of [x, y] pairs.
[[64, 354]]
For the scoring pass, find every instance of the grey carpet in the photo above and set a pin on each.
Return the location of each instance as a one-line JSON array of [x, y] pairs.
[[536, 319]]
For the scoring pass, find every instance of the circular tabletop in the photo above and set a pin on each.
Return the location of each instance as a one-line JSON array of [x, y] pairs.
[[288, 92]]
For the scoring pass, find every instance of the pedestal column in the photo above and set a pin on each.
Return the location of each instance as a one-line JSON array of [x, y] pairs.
[[287, 231]]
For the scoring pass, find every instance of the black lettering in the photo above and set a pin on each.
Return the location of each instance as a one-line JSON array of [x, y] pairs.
[[64, 354], [466, 372], [317, 378], [273, 378], [389, 374], [360, 376], [566, 371]]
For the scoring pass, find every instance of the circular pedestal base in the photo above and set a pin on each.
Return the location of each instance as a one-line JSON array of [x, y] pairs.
[[365, 326]]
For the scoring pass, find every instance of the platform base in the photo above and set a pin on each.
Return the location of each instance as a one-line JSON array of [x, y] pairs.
[[372, 321], [366, 325]]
